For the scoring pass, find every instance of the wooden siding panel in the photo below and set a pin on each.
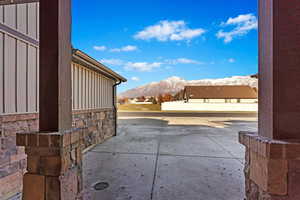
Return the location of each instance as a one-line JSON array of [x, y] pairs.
[[21, 77], [93, 90], [38, 20], [10, 15], [84, 91], [32, 79], [32, 18], [105, 92], [97, 91], [22, 18], [80, 87], [111, 93], [10, 74], [38, 80], [1, 71], [102, 92], [72, 84], [90, 89], [76, 88], [1, 14]]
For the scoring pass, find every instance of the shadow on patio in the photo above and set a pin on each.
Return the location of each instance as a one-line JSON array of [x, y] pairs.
[[161, 159]]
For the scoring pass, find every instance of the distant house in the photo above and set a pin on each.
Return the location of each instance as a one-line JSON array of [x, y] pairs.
[[215, 98], [255, 76], [220, 94]]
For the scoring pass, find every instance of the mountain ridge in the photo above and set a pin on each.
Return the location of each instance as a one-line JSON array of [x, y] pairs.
[[174, 84]]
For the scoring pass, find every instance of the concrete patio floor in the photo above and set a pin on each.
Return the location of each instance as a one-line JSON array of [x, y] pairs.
[[169, 158]]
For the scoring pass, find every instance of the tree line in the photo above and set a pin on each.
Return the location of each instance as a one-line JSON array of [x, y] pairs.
[[161, 98]]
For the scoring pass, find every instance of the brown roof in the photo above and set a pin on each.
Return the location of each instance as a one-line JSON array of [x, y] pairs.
[[220, 92], [254, 76]]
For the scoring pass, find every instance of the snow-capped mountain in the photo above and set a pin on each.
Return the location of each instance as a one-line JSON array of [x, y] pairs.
[[174, 84]]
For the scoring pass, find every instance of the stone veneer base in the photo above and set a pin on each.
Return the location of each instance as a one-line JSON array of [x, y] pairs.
[[97, 126], [272, 168]]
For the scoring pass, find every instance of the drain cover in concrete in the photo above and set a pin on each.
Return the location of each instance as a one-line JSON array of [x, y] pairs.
[[101, 186]]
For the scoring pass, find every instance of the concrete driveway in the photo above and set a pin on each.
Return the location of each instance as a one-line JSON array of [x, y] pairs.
[[169, 158]]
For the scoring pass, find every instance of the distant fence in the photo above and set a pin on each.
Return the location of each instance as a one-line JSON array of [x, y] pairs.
[[234, 107]]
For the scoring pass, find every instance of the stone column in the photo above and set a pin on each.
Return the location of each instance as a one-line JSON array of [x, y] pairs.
[[272, 169], [54, 153]]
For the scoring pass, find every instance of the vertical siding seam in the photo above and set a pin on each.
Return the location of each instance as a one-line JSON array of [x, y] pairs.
[[87, 89], [16, 16], [3, 15], [27, 19], [26, 79], [73, 86], [36, 21], [36, 79], [97, 91], [93, 90], [16, 75], [3, 71], [78, 96], [85, 86]]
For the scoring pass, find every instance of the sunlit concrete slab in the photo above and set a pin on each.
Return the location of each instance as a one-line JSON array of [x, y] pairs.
[[180, 178], [191, 145], [165, 158], [128, 176]]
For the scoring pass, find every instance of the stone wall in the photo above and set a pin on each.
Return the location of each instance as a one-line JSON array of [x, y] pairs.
[[13, 158], [96, 125], [272, 168]]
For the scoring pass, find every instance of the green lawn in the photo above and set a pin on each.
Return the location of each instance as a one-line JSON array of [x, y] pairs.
[[139, 107]]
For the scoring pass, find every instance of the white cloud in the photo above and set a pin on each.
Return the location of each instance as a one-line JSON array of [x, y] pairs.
[[142, 66], [243, 25], [116, 62], [183, 61], [100, 48], [169, 31], [231, 60], [135, 78], [125, 49]]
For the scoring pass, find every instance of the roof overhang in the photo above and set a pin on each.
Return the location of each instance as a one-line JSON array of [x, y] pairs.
[[80, 56], [8, 2]]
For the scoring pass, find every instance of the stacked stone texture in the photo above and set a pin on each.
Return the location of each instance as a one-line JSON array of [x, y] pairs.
[[90, 127], [13, 158], [272, 169], [97, 125]]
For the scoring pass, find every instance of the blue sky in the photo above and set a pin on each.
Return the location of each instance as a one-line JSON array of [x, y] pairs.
[[151, 40]]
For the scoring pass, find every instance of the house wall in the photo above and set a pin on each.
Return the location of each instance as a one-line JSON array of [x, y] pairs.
[[222, 101], [19, 59], [92, 94], [19, 71], [90, 90], [229, 107], [96, 124]]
